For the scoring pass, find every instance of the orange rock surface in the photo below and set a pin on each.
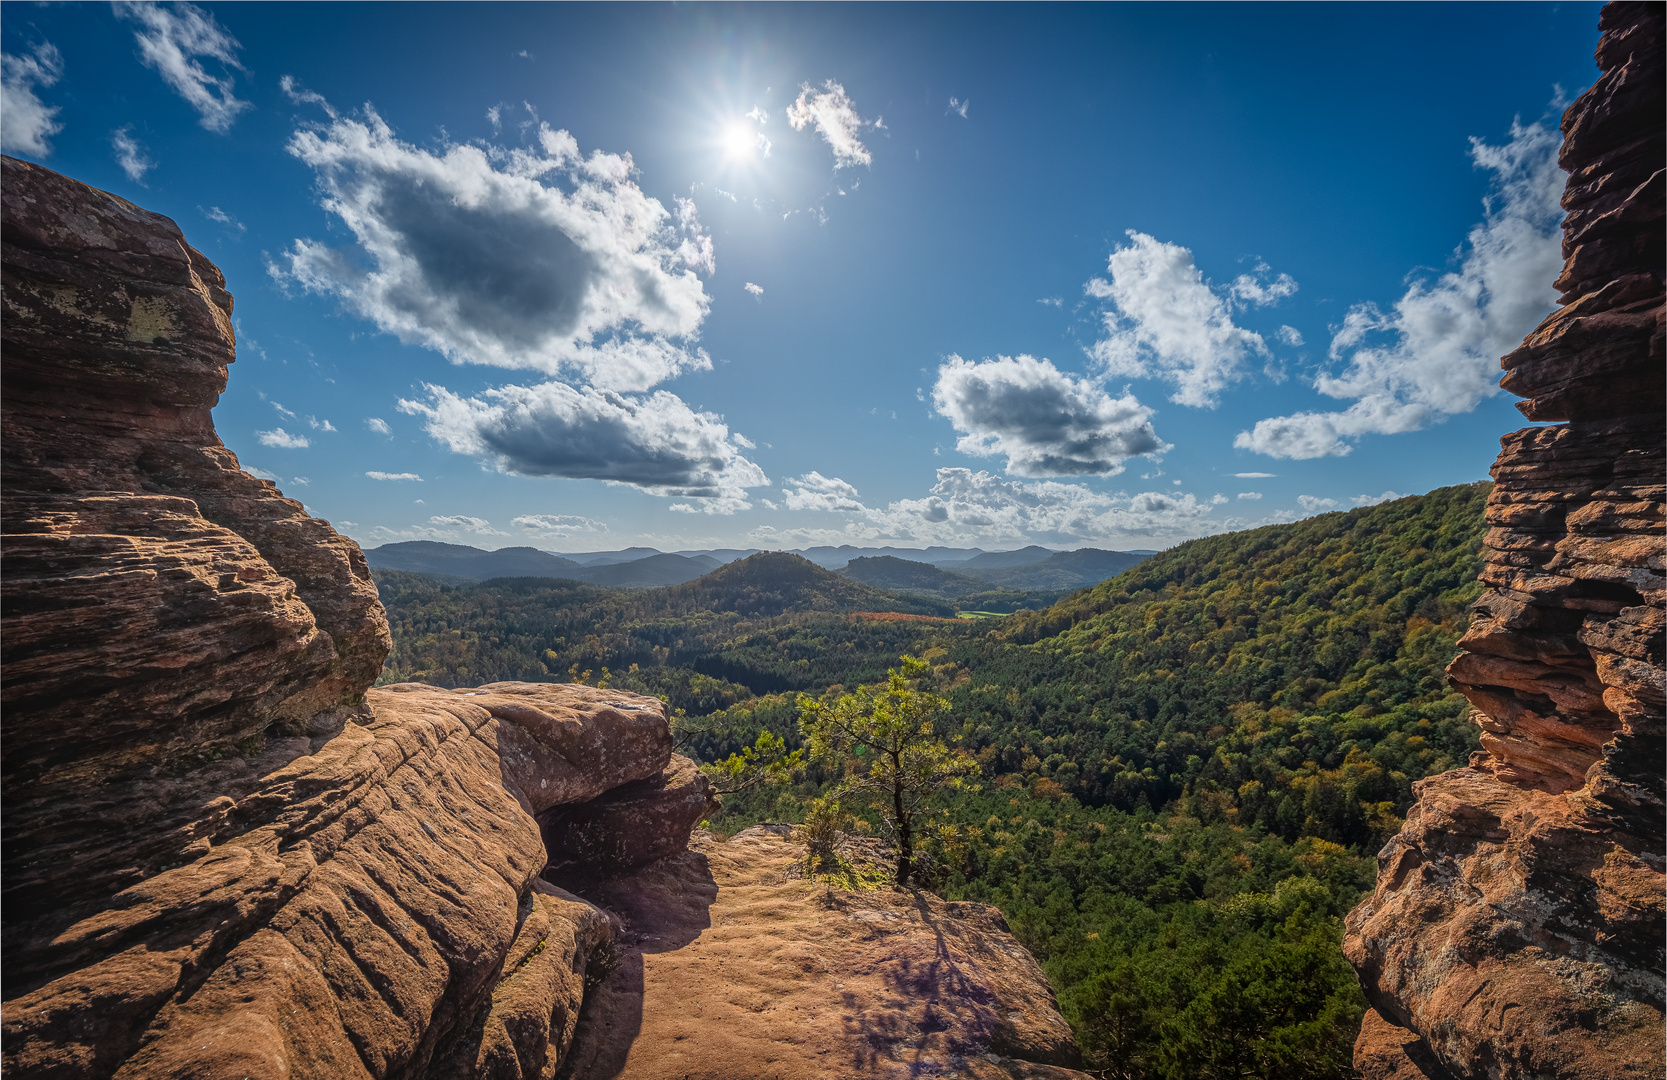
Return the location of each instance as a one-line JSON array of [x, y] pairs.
[[1517, 925]]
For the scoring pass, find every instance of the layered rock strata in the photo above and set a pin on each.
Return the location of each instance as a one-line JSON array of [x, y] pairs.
[[222, 856], [1517, 925]]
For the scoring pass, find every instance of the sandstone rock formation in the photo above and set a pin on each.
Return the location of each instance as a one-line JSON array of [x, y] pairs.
[[225, 855], [732, 966], [1517, 925]]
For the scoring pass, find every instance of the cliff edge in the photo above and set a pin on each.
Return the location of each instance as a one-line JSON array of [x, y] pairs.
[[1517, 925], [224, 853]]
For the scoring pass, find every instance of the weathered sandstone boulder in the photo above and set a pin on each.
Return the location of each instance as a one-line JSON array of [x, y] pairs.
[[1517, 925], [732, 966], [630, 826], [222, 855]]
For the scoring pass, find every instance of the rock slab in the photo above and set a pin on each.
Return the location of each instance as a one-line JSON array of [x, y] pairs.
[[1517, 925]]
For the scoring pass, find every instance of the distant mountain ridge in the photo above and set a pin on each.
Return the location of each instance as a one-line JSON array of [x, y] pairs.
[[959, 569]]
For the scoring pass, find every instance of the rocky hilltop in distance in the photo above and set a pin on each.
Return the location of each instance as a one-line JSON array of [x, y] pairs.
[[225, 855], [1517, 926]]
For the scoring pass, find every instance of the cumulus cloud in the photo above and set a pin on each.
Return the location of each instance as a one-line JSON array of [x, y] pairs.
[[965, 506], [653, 442], [1167, 322], [130, 154], [1312, 504], [1044, 421], [1436, 353], [379, 425], [376, 474], [1373, 500], [27, 124], [171, 40], [1252, 495], [558, 526], [281, 438], [835, 117], [520, 258], [813, 491]]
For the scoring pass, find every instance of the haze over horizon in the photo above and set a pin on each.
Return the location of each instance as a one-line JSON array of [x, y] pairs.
[[585, 278]]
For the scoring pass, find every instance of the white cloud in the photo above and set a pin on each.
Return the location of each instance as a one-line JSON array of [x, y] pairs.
[[1289, 335], [281, 438], [518, 258], [320, 425], [301, 480], [1255, 475], [959, 106], [375, 474], [558, 526], [171, 39], [27, 123], [260, 473], [756, 290], [1250, 495], [379, 425], [1052, 301], [742, 441], [130, 154], [1437, 352], [817, 492], [1373, 500], [654, 442], [301, 96], [975, 507], [1044, 421], [220, 217], [465, 523], [836, 119], [1313, 505], [1253, 290], [280, 409], [1167, 322]]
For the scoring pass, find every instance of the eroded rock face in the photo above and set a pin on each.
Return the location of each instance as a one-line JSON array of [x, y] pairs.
[[1517, 925], [224, 855], [630, 826]]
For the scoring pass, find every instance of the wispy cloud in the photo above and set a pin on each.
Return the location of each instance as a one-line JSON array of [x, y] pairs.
[[220, 217], [27, 124], [1167, 322], [1255, 475], [1373, 500], [1251, 495], [755, 290], [959, 106], [130, 154], [375, 474], [172, 40], [280, 438], [379, 425], [300, 95], [1437, 352], [1046, 422], [558, 526], [836, 120]]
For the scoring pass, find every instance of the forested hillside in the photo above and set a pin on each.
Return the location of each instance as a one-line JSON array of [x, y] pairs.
[[1187, 768]]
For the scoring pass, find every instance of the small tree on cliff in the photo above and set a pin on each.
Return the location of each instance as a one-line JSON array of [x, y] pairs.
[[889, 728]]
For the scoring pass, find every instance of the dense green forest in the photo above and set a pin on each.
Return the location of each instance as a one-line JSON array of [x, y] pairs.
[[1187, 768]]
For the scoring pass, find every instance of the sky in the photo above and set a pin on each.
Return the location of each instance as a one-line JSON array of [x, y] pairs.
[[584, 277]]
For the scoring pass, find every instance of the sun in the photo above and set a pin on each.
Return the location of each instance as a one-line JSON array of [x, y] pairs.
[[739, 141]]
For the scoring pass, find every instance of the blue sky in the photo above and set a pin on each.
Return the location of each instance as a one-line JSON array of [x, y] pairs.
[[583, 277]]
